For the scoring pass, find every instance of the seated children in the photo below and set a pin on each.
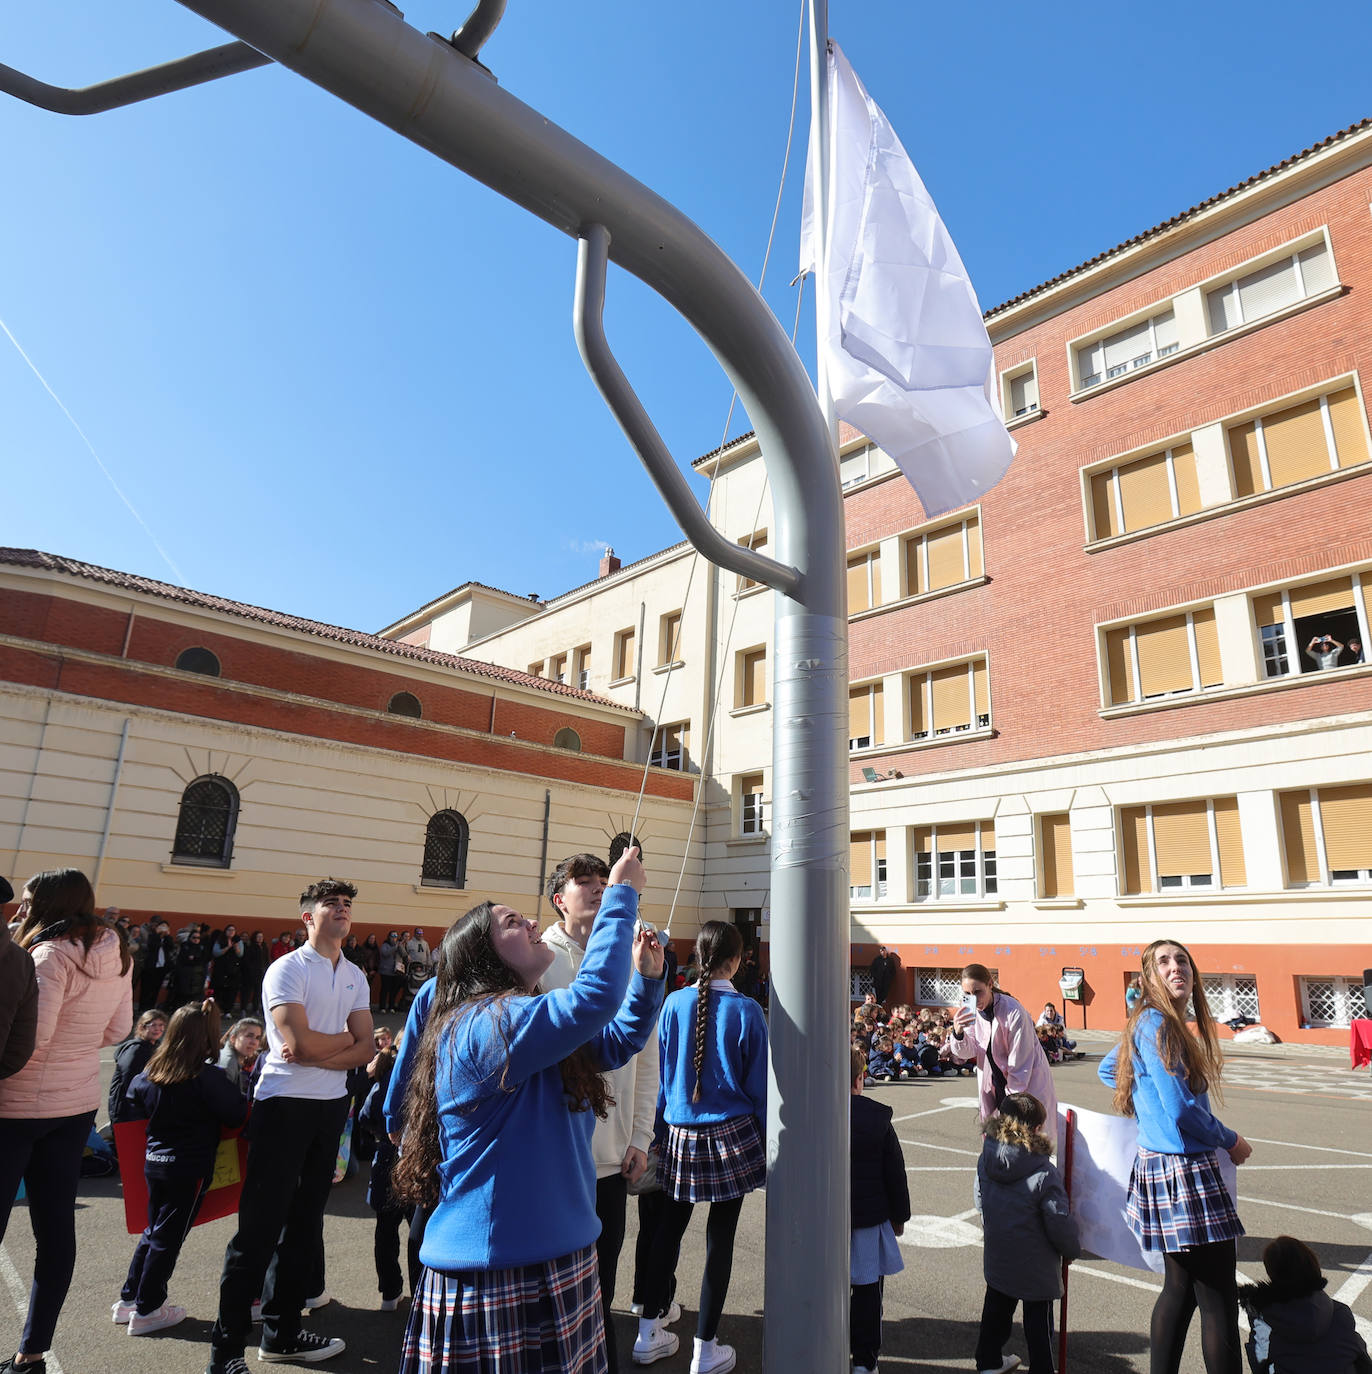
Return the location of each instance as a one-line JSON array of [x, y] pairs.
[[881, 1064]]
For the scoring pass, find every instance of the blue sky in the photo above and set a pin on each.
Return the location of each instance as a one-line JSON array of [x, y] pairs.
[[336, 378]]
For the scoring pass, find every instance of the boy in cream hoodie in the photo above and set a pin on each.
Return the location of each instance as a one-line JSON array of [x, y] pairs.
[[620, 1142]]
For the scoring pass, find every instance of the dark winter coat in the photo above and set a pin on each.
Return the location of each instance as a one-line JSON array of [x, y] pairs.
[[130, 1059], [881, 1191], [1307, 1334], [1026, 1220], [18, 1004], [184, 1121]]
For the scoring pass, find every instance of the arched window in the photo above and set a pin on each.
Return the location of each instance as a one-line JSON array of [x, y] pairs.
[[198, 660], [445, 851], [405, 704], [567, 738], [205, 826], [620, 843]]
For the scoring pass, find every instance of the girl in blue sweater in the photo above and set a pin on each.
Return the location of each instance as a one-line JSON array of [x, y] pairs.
[[510, 1280], [1178, 1203], [713, 1045]]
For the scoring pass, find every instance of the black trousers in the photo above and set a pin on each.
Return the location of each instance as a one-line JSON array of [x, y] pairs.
[[172, 1205], [997, 1313], [864, 1323], [650, 1209], [386, 1252], [611, 1202], [276, 1249]]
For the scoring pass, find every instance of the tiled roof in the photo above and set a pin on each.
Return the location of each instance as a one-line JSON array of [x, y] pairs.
[[1185, 214], [48, 562], [462, 586]]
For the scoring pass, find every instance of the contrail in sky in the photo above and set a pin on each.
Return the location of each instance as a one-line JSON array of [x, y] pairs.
[[109, 477]]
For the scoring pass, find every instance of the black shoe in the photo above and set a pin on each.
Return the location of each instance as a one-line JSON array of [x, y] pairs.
[[235, 1365], [302, 1348], [32, 1367]]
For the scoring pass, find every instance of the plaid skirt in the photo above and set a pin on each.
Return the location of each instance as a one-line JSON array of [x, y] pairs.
[[713, 1163], [1178, 1201], [536, 1319]]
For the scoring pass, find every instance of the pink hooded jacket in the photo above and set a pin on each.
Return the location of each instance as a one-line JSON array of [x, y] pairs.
[[84, 1003]]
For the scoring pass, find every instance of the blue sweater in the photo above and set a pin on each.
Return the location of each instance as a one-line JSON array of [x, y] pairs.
[[500, 1095], [733, 1081], [1172, 1119], [409, 1050]]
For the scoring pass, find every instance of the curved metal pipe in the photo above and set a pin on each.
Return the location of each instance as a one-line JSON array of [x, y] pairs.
[[480, 25]]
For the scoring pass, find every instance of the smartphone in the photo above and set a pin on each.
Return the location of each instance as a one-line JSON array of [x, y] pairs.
[[969, 1001]]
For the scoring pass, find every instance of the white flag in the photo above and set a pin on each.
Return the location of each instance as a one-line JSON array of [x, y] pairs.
[[901, 338]]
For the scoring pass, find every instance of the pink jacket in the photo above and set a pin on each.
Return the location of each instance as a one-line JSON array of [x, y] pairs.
[[84, 1002], [1014, 1045]]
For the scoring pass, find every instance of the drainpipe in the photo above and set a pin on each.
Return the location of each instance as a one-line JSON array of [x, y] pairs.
[[109, 810]]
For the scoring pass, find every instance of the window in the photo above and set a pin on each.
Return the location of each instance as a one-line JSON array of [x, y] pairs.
[[583, 667], [948, 700], [1021, 392], [1332, 1001], [1145, 491], [860, 984], [206, 822], [405, 704], [1230, 995], [445, 851], [867, 866], [943, 557], [670, 745], [536, 669], [1327, 835], [1291, 620], [1134, 346], [750, 678], [855, 468], [953, 861], [751, 817], [557, 668], [866, 705], [198, 660], [757, 541], [1270, 288], [864, 581], [1164, 657], [567, 738], [1180, 845], [624, 840], [669, 639], [1055, 847], [941, 987], [624, 653], [1305, 440]]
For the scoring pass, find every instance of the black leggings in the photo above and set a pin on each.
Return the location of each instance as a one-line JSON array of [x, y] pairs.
[[719, 1261], [1205, 1277]]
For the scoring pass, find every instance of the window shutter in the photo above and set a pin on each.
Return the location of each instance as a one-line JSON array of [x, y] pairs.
[[879, 837], [1267, 609], [1223, 304], [974, 555], [858, 599], [757, 677], [1298, 838], [919, 713], [988, 835], [1319, 598], [922, 837], [979, 687], [914, 567], [952, 838], [1056, 845], [1243, 456], [1144, 492], [1024, 393], [1230, 836], [1120, 664], [1128, 344], [859, 711], [874, 563], [625, 666], [1350, 436], [860, 860], [1346, 816], [1269, 288], [1296, 446], [1181, 838], [1317, 268], [951, 707], [1207, 647], [670, 648], [1164, 656], [878, 713], [945, 557], [1188, 480], [1165, 330], [1103, 506], [1134, 842]]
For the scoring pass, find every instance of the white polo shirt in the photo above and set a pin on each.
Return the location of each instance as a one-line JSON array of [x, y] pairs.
[[330, 993]]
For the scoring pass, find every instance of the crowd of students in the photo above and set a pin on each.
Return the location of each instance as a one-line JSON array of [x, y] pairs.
[[571, 1038]]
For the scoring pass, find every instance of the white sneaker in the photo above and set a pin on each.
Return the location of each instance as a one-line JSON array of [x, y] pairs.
[[636, 1308], [654, 1342], [673, 1314], [711, 1357], [121, 1311], [166, 1315], [1005, 1366]]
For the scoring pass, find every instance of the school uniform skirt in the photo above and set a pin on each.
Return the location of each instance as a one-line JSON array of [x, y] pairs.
[[1179, 1201], [536, 1319], [714, 1163]]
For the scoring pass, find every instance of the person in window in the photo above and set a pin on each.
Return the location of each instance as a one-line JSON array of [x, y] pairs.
[[1354, 652], [1324, 651]]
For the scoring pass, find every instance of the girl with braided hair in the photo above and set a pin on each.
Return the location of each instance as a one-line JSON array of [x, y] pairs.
[[713, 1045]]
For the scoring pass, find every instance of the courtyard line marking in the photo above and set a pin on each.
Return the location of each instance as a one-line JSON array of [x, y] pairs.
[[21, 1299], [1251, 1168], [1351, 1289], [1292, 1207], [935, 1168], [1079, 1268], [976, 1154], [914, 1116], [1324, 1149]]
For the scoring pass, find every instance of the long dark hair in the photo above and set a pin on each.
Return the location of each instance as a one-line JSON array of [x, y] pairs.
[[717, 943], [471, 978], [191, 1037], [62, 907]]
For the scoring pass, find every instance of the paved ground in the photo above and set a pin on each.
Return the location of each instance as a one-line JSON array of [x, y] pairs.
[[1306, 1113]]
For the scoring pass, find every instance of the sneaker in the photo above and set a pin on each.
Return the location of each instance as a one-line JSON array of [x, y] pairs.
[[236, 1364], [863, 1369], [673, 1314], [303, 1348], [654, 1342], [1005, 1366], [636, 1308], [712, 1357], [166, 1315], [390, 1304], [319, 1300], [121, 1311]]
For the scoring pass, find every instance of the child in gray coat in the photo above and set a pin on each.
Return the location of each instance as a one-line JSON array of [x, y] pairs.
[[1028, 1230]]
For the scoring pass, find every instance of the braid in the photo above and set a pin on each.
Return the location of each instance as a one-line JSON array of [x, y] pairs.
[[702, 1026], [717, 943]]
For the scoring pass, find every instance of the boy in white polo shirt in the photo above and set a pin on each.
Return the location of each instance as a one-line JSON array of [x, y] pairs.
[[319, 1025]]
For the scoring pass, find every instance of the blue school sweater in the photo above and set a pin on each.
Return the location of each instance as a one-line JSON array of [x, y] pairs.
[[734, 1076], [516, 1178]]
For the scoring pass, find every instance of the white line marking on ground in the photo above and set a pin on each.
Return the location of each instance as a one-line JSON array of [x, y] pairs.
[[1250, 1168], [1079, 1268], [936, 1169], [1353, 1285], [914, 1116], [975, 1154], [20, 1295], [1292, 1207], [1294, 1145]]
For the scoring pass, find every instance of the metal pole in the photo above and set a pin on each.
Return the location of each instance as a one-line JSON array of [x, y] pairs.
[[819, 160], [109, 810]]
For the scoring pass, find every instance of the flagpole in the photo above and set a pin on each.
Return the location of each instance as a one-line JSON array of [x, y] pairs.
[[820, 151]]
